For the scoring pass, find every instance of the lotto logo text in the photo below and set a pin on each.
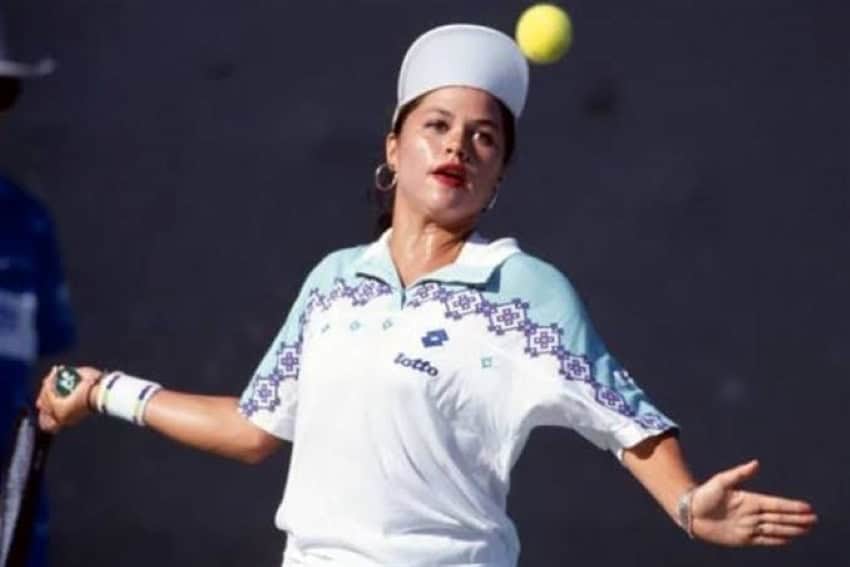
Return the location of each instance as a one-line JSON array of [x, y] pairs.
[[416, 364]]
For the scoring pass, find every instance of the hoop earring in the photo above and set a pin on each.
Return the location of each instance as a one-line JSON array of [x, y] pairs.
[[385, 178], [491, 204]]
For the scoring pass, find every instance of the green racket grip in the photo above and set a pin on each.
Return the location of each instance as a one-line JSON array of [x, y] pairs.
[[67, 379]]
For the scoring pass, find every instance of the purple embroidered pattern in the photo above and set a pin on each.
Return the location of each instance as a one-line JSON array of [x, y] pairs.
[[541, 340], [509, 317], [463, 303], [652, 420], [264, 387], [612, 399], [574, 367], [361, 294], [430, 291]]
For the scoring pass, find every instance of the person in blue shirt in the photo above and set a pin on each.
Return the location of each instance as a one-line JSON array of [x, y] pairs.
[[36, 320]]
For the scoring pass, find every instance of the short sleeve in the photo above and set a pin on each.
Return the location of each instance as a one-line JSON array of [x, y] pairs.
[[271, 398], [54, 316], [577, 383]]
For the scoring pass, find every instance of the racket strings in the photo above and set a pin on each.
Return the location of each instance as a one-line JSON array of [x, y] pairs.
[[13, 482]]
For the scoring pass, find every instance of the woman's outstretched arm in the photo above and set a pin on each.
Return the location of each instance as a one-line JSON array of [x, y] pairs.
[[208, 423]]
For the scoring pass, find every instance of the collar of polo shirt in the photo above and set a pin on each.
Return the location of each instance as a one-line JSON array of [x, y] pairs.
[[474, 265]]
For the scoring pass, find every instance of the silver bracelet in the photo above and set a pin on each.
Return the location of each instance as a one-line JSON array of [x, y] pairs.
[[684, 511]]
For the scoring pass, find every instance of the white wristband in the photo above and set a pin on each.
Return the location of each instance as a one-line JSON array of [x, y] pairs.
[[125, 396]]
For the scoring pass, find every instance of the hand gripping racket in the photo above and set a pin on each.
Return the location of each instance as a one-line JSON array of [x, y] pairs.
[[22, 475]]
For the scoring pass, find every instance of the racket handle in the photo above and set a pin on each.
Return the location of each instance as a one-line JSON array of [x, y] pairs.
[[67, 379]]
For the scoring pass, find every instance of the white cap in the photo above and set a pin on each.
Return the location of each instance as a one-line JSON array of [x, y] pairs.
[[464, 55]]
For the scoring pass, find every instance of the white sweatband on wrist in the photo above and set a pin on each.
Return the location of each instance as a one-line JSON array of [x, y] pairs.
[[125, 396]]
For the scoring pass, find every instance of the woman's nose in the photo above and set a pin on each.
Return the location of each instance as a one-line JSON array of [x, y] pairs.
[[455, 146]]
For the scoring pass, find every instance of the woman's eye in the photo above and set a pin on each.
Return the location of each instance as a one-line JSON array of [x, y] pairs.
[[438, 125], [486, 138]]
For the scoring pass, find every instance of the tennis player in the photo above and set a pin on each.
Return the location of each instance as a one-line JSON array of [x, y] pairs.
[[410, 371]]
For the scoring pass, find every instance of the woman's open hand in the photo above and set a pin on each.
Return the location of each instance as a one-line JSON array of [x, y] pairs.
[[724, 514]]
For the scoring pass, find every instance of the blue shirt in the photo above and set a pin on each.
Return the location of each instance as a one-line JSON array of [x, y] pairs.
[[35, 315]]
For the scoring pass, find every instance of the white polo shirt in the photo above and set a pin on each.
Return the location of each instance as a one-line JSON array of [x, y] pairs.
[[407, 408]]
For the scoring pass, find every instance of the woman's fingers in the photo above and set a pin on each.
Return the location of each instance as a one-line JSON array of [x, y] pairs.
[[777, 521], [769, 533], [47, 422], [770, 503], [805, 519], [781, 530], [770, 540], [736, 475], [46, 418]]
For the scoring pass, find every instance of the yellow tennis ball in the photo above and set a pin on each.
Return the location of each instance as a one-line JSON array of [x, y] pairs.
[[544, 33]]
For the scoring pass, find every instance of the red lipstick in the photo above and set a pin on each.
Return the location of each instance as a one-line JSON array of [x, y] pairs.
[[451, 174]]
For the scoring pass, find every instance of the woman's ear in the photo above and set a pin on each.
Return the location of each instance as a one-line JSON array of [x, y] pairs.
[[391, 151]]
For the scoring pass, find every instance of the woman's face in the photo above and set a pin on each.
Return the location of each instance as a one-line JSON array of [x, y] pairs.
[[448, 156]]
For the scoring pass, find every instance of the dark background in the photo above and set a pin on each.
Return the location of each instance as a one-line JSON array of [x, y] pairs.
[[686, 165]]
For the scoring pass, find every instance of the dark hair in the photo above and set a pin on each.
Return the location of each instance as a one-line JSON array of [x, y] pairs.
[[10, 89], [385, 200]]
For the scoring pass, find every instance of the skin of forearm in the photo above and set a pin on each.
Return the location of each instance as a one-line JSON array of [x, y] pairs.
[[209, 423], [659, 465]]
